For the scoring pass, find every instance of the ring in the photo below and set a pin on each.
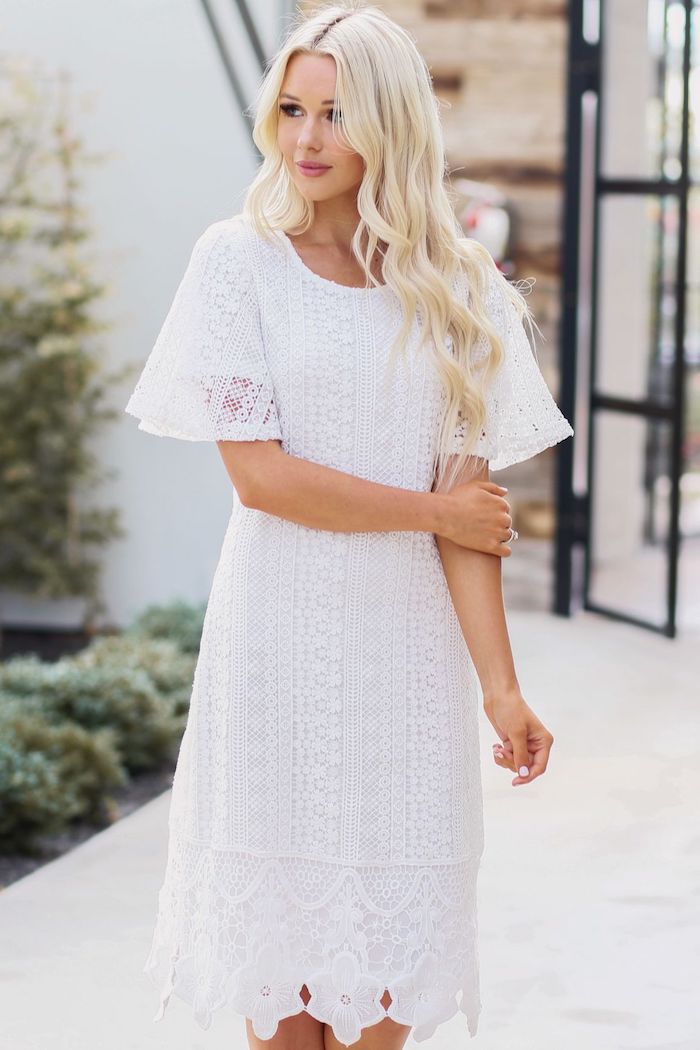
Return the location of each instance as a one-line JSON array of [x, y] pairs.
[[513, 536]]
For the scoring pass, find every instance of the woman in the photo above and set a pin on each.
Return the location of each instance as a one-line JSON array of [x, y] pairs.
[[360, 366]]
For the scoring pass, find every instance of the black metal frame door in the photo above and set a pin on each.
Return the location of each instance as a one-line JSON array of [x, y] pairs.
[[585, 398]]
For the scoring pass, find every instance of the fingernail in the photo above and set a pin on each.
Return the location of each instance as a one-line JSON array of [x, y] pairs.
[[523, 771]]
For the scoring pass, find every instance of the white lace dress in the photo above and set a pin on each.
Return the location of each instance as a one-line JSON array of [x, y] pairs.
[[326, 821]]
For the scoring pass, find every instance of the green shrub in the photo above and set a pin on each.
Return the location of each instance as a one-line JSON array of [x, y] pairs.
[[72, 729], [122, 698], [51, 775], [170, 670], [179, 622], [23, 675]]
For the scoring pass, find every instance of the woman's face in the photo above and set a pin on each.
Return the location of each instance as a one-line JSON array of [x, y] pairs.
[[305, 130]]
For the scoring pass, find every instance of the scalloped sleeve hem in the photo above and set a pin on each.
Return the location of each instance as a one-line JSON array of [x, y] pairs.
[[236, 432]]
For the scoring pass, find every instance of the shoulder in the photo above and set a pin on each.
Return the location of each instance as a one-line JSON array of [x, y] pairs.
[[478, 280], [236, 244], [479, 270], [225, 238]]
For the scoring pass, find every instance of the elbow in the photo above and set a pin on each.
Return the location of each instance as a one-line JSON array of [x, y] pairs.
[[255, 490], [262, 476], [249, 494], [250, 469]]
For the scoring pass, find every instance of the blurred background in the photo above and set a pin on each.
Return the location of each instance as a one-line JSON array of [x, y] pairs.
[[574, 155]]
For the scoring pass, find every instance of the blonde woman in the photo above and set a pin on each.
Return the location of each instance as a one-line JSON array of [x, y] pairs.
[[361, 367]]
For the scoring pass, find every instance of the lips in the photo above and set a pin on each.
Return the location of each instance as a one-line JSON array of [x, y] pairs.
[[312, 167]]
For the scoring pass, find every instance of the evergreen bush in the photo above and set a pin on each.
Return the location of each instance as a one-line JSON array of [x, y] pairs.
[[51, 775], [121, 698], [72, 730], [179, 622]]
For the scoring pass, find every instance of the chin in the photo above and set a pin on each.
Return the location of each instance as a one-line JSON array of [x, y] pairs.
[[308, 191]]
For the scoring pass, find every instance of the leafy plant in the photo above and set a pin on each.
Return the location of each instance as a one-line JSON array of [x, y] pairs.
[[72, 730], [120, 698], [51, 775], [178, 621], [52, 386]]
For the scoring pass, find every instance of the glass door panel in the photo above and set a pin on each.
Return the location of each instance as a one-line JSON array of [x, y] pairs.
[[630, 516], [637, 258]]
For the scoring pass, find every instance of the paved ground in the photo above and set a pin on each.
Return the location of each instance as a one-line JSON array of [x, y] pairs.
[[589, 887]]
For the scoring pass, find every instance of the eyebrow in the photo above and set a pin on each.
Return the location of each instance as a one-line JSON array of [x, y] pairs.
[[326, 101]]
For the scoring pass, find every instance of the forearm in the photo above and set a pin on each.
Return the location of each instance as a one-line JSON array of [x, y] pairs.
[[322, 497], [475, 585]]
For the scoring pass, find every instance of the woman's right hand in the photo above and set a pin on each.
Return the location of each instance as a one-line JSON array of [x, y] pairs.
[[477, 515]]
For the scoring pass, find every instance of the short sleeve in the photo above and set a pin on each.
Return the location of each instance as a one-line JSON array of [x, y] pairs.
[[206, 378], [522, 417]]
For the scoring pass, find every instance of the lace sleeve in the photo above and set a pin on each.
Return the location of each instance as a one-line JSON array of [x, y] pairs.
[[522, 417], [206, 378]]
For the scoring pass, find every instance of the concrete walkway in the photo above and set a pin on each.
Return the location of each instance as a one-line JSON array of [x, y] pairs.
[[589, 886]]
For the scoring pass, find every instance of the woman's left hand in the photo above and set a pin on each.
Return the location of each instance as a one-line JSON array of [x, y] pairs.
[[526, 742]]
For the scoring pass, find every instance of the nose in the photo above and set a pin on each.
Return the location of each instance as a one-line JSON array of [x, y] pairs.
[[309, 134]]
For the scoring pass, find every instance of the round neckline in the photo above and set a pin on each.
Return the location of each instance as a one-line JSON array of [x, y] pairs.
[[326, 280]]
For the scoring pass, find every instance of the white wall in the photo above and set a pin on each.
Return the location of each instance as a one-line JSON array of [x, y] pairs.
[[180, 158]]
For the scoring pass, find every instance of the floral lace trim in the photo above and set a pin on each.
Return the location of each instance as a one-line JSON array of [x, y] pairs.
[[236, 929], [342, 996], [521, 448]]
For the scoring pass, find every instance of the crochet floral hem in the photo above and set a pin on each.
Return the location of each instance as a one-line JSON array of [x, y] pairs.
[[343, 996], [249, 931]]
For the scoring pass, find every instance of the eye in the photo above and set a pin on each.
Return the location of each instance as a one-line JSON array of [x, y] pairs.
[[287, 107]]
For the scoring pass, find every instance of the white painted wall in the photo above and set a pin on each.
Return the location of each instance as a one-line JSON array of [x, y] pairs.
[[180, 158]]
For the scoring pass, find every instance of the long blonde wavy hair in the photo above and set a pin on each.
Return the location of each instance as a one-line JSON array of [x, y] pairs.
[[390, 117]]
